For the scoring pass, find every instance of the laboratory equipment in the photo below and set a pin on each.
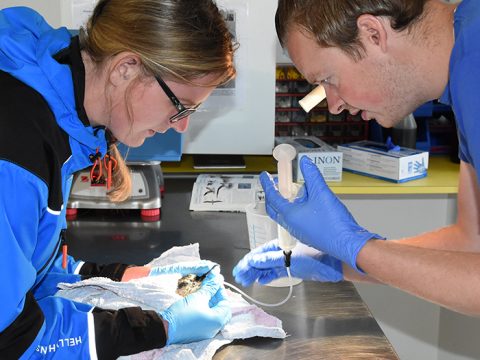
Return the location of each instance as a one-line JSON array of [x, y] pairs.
[[261, 229], [404, 133], [284, 154], [381, 161], [147, 187], [327, 158], [144, 163], [260, 302]]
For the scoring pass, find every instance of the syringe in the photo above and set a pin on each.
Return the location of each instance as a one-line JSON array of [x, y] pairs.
[[284, 154]]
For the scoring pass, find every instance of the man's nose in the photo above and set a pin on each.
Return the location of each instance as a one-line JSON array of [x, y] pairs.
[[335, 103]]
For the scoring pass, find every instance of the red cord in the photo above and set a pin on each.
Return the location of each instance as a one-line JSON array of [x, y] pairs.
[[64, 255], [97, 165], [110, 165]]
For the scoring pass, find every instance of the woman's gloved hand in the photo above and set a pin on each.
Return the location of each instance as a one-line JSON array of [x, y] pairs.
[[184, 268], [267, 263], [198, 267], [200, 315], [317, 218]]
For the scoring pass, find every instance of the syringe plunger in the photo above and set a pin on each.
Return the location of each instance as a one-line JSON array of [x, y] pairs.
[[313, 98], [284, 154]]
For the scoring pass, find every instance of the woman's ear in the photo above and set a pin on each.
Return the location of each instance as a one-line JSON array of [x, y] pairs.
[[124, 67], [372, 32]]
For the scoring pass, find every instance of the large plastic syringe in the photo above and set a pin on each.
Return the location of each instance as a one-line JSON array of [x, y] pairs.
[[284, 154]]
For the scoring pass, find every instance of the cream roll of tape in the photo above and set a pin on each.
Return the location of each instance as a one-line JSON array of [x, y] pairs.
[[313, 98]]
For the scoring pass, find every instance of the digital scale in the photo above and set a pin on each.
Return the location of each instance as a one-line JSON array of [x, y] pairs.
[[147, 189], [147, 179]]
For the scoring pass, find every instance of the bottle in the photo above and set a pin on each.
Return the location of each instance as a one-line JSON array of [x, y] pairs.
[[404, 133]]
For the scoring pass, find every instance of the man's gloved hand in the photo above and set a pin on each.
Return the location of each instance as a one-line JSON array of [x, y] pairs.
[[200, 315], [184, 268], [317, 218], [267, 263]]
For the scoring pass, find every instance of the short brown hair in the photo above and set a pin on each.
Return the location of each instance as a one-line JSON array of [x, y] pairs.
[[333, 23]]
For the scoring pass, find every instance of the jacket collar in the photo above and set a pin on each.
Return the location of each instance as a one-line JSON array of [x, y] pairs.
[[28, 51]]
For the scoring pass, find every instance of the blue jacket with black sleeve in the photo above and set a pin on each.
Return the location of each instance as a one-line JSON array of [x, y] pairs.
[[45, 137]]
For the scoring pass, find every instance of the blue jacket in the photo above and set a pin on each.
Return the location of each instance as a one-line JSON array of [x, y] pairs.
[[43, 141]]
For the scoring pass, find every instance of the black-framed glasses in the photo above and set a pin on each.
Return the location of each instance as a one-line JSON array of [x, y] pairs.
[[182, 111]]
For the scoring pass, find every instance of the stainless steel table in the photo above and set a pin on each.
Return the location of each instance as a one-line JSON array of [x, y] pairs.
[[324, 321]]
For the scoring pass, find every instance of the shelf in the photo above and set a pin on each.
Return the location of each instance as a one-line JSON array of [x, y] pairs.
[[339, 128], [442, 177], [254, 164], [290, 94], [343, 138], [295, 109], [292, 80], [310, 123]]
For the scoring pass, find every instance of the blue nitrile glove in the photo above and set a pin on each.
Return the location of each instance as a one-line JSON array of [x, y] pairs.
[[390, 145], [198, 316], [267, 263], [317, 218], [184, 268]]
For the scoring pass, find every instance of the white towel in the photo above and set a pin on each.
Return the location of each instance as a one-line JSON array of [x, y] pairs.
[[158, 293]]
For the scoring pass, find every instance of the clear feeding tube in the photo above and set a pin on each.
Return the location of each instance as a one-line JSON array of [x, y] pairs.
[[262, 303]]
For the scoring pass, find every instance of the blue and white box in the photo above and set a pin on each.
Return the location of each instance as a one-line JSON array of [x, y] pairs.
[[326, 157], [377, 160]]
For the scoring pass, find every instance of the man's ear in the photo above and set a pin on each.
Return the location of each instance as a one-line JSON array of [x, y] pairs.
[[372, 32], [124, 67]]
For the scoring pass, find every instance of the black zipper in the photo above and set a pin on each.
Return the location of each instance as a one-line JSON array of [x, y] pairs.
[[61, 239]]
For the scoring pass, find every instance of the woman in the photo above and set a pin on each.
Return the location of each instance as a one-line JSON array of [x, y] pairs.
[[139, 67]]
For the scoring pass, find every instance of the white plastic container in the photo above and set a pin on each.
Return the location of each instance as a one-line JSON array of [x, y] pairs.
[[261, 229]]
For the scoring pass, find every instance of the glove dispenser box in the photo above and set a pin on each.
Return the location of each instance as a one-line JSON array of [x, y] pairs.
[[326, 157], [377, 160]]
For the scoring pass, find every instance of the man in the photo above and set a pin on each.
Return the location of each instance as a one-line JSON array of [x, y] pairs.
[[382, 58]]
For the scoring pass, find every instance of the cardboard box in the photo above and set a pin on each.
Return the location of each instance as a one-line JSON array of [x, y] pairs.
[[374, 159], [326, 157]]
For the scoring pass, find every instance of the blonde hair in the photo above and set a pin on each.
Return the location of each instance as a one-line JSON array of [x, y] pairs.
[[333, 23], [179, 40]]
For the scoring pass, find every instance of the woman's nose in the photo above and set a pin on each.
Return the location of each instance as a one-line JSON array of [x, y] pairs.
[[181, 125]]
